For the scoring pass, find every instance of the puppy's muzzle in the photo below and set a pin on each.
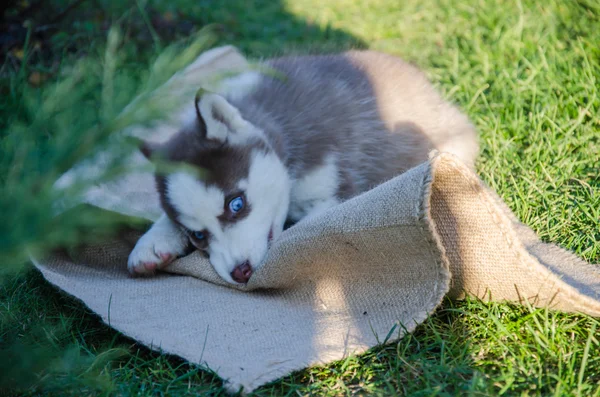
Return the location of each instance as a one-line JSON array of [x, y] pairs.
[[241, 274]]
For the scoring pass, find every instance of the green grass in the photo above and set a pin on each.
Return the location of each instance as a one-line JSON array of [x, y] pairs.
[[528, 75]]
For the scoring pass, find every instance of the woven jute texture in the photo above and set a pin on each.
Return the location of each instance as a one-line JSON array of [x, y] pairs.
[[364, 272]]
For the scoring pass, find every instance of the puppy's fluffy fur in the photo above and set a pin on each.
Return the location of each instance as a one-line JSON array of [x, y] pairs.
[[285, 148]]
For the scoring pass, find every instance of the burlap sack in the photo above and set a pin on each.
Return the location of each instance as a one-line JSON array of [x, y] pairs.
[[362, 273]]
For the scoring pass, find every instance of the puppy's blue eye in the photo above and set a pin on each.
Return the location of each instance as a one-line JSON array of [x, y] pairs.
[[236, 204], [199, 235]]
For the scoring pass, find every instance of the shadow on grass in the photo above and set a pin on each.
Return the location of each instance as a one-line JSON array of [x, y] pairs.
[[44, 32]]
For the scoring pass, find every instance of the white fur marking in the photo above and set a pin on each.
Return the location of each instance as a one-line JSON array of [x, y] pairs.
[[240, 85], [316, 191], [197, 205], [211, 104], [267, 192]]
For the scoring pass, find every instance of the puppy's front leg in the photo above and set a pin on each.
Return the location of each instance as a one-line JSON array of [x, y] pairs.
[[158, 247]]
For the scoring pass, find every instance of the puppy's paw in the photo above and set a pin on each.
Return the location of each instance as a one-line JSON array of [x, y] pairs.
[[155, 251]]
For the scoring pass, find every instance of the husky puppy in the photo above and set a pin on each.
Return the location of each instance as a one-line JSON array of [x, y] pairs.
[[284, 148]]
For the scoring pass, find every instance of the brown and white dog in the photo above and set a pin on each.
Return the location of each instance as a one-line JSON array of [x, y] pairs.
[[276, 149]]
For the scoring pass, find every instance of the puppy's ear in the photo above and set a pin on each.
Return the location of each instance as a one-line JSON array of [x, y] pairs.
[[217, 118]]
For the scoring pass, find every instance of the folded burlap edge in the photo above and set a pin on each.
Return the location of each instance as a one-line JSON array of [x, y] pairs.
[[571, 298], [565, 296]]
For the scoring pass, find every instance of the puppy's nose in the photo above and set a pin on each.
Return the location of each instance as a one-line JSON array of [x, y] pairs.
[[242, 273]]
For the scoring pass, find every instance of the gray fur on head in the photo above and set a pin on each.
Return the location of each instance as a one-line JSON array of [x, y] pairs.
[[378, 115]]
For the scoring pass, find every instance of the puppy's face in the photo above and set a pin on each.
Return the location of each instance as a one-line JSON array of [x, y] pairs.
[[238, 203]]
